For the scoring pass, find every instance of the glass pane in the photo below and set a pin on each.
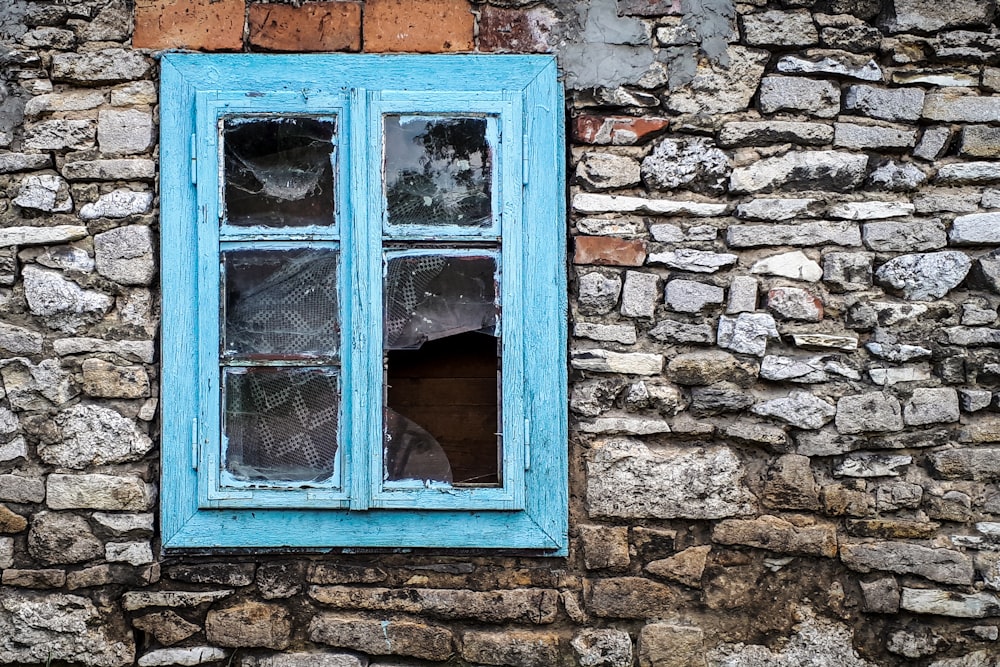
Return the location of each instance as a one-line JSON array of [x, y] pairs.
[[442, 370], [438, 171], [433, 296], [277, 172], [280, 304], [281, 423]]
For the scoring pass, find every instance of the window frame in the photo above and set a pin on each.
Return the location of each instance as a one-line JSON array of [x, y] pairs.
[[522, 92]]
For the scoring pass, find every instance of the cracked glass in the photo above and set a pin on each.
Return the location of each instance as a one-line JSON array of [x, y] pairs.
[[438, 171], [278, 172]]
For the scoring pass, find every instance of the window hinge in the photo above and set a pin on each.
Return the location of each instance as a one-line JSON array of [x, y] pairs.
[[527, 444], [194, 160], [194, 443]]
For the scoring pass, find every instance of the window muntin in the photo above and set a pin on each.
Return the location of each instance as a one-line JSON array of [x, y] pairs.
[[241, 498]]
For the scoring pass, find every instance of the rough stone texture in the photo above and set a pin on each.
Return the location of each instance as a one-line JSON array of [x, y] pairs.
[[803, 170], [515, 648], [747, 333], [795, 265], [949, 603], [893, 104], [37, 628], [99, 67], [94, 435], [799, 408], [603, 171], [931, 406], [640, 294], [717, 90], [117, 204], [628, 479], [775, 28], [249, 624], [975, 229], [603, 648], [786, 93], [805, 234], [869, 412], [819, 61], [693, 164], [668, 645], [691, 296], [125, 255], [925, 16], [377, 638], [861, 137], [775, 534], [522, 605], [695, 261], [63, 304], [45, 192], [925, 276], [630, 597], [686, 567], [940, 565], [904, 236], [98, 491], [57, 538], [604, 547]]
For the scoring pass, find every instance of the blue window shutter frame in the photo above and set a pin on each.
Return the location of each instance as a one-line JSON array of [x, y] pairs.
[[523, 94]]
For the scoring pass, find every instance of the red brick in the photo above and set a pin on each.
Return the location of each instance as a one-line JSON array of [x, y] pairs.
[[609, 250], [206, 25], [515, 30], [314, 26], [427, 26], [617, 130]]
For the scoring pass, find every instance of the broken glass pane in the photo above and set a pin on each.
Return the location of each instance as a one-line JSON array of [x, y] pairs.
[[444, 402], [280, 304], [411, 452], [438, 171], [281, 423], [277, 172], [434, 296]]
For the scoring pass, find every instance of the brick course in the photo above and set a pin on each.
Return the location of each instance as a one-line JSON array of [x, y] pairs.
[[429, 26], [189, 24], [315, 26]]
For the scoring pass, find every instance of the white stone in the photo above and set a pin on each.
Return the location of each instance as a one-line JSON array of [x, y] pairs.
[[117, 204], [899, 236], [133, 350], [814, 233], [925, 276], [885, 103], [833, 170], [832, 62], [777, 209], [121, 524], [747, 333], [620, 227], [616, 333], [626, 478], [22, 236], [136, 600], [871, 412], [18, 340], [137, 169], [44, 192], [800, 409], [640, 294], [597, 203], [976, 229], [606, 361], [777, 28], [125, 255], [969, 172], [124, 131], [94, 435], [6, 552], [867, 137], [133, 553], [15, 449], [931, 406], [742, 295], [949, 603], [952, 108], [865, 465], [624, 426], [666, 233], [695, 261], [870, 210], [690, 296], [795, 265], [98, 491], [887, 377], [64, 304], [718, 90], [186, 657]]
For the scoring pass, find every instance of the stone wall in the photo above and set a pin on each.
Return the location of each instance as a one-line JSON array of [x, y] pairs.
[[785, 446]]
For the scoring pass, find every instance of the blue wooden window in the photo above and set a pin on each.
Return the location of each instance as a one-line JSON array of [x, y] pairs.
[[337, 232]]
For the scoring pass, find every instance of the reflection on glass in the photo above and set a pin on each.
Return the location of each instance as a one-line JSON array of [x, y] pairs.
[[437, 171], [411, 452], [280, 423], [277, 172], [433, 296], [280, 303]]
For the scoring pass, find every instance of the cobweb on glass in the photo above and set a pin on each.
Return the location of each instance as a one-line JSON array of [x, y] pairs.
[[438, 171], [410, 452], [281, 424], [278, 172], [433, 296], [281, 303]]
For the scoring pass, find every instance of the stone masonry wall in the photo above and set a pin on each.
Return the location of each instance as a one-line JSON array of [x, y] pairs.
[[785, 383]]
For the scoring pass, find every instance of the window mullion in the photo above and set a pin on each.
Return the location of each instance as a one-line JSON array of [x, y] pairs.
[[362, 240]]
